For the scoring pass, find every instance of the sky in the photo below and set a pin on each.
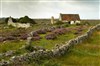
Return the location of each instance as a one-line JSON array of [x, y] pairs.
[[87, 9]]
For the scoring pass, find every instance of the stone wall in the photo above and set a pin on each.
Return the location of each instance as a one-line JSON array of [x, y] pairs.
[[57, 51]]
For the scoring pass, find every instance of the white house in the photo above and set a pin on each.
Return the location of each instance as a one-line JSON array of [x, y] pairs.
[[18, 25], [70, 18]]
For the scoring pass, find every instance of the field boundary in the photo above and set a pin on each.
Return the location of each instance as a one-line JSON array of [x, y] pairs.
[[55, 52]]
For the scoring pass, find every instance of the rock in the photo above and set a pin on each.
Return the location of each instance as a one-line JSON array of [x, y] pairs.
[[4, 63], [9, 53], [29, 40]]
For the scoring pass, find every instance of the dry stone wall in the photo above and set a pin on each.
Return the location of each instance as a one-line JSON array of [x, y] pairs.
[[57, 51]]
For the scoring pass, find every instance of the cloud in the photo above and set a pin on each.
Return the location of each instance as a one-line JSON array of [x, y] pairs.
[[50, 0], [46, 9], [0, 10]]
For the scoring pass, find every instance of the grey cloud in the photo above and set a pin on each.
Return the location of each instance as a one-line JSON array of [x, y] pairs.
[[50, 0], [47, 9], [0, 9]]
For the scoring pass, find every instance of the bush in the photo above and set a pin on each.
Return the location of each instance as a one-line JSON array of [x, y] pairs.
[[51, 36], [36, 38], [60, 31], [51, 29], [80, 30], [29, 48], [41, 31], [26, 19], [35, 34], [11, 38], [23, 36]]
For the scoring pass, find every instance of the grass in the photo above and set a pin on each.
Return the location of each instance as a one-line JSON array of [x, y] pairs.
[[91, 22], [10, 45], [48, 44], [84, 54], [85, 51]]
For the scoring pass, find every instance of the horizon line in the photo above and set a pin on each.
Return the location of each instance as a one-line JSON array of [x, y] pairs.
[[54, 18]]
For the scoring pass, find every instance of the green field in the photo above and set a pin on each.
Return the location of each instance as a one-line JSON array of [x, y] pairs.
[[84, 54], [48, 44]]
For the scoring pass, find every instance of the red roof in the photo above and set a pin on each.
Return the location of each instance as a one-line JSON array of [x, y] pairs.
[[70, 17]]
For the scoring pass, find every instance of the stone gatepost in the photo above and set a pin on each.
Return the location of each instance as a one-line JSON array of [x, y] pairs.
[[10, 21], [52, 20], [29, 41]]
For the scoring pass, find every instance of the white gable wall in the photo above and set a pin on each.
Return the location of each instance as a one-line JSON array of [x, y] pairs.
[[77, 21], [72, 22], [19, 25], [25, 25]]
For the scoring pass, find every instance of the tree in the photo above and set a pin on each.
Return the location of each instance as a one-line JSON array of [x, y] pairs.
[[26, 19]]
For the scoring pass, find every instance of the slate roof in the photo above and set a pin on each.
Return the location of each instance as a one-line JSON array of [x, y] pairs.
[[70, 17]]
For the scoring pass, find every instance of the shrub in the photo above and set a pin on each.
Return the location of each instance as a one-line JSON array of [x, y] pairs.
[[80, 29], [17, 32], [29, 48], [36, 38], [51, 29], [41, 31], [10, 38], [51, 36], [23, 36], [26, 19], [35, 34], [60, 31]]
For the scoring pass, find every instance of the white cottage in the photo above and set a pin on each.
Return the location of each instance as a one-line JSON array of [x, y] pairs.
[[18, 25], [70, 18]]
